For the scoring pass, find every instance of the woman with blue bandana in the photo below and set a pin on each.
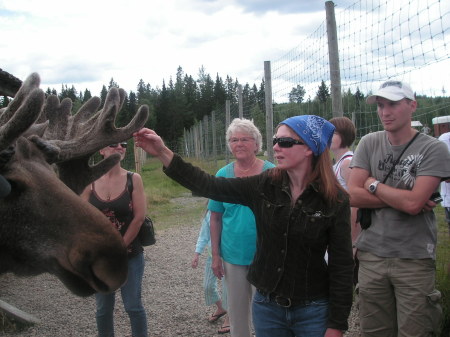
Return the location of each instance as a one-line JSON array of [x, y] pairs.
[[301, 211]]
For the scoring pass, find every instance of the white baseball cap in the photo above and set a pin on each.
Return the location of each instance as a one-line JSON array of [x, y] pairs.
[[393, 91]]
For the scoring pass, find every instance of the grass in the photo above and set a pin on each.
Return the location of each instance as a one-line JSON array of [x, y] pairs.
[[8, 325], [160, 190]]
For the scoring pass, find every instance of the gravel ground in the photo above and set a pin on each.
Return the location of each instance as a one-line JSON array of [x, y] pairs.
[[172, 295]]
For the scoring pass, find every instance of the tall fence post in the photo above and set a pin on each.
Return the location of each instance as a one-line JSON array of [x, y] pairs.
[[206, 133], [196, 142], [333, 54], [137, 159], [214, 136], [269, 109]]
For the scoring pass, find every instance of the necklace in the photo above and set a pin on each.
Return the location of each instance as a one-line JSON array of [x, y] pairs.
[[108, 192], [251, 166]]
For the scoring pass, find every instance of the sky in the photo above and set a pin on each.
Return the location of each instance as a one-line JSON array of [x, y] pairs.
[[86, 43]]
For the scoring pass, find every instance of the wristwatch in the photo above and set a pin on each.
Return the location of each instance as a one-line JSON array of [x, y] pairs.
[[373, 186]]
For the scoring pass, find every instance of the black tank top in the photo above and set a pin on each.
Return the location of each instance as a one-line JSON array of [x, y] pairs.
[[119, 211]]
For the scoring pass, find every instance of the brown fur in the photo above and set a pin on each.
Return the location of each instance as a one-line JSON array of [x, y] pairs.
[[45, 226]]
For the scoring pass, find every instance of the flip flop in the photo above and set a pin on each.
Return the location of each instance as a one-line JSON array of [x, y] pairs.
[[214, 318], [223, 329]]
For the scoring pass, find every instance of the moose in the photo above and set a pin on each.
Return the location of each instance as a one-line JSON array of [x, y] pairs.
[[44, 155]]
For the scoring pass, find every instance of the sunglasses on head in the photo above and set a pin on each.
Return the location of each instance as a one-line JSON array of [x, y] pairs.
[[123, 144], [286, 142]]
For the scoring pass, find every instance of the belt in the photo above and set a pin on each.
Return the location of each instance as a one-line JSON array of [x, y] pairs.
[[280, 300], [284, 302]]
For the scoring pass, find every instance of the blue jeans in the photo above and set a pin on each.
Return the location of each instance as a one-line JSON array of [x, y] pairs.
[[272, 320], [131, 297]]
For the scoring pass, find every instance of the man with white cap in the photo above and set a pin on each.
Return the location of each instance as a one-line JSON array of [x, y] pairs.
[[395, 172]]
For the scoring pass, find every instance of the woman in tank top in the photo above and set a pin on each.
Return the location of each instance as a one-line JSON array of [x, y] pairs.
[[126, 211]]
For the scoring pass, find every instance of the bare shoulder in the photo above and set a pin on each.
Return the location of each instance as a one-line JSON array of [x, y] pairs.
[[137, 176], [346, 162], [137, 179]]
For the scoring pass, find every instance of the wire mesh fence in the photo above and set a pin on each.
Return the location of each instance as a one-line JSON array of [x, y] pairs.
[[407, 40]]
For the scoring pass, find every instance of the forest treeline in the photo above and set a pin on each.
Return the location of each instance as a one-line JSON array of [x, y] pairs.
[[181, 102]]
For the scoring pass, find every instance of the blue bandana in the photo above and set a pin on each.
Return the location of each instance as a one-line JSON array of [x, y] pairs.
[[315, 131]]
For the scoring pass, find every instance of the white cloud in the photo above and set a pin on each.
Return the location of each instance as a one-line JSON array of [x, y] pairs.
[[86, 43]]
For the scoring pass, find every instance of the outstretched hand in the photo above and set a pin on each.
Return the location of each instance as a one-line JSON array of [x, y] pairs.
[[153, 144], [149, 141]]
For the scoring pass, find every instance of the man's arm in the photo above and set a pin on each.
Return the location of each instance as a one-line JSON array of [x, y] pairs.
[[409, 201], [359, 196]]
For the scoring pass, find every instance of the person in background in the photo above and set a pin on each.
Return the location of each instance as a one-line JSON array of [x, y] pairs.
[[126, 211], [445, 185], [426, 129], [233, 229], [343, 137], [397, 295], [301, 210], [210, 281]]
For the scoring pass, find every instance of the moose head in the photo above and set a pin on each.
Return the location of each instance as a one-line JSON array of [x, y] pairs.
[[44, 155]]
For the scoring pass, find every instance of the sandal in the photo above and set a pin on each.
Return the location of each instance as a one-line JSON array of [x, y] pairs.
[[223, 329], [215, 317]]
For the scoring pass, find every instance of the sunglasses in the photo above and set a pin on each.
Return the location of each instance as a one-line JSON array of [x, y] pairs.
[[123, 144], [286, 142]]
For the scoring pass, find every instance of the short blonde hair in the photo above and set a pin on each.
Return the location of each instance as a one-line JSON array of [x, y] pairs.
[[246, 126]]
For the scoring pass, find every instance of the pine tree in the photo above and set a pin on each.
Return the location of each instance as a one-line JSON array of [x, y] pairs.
[[220, 94], [323, 94], [87, 95], [297, 94]]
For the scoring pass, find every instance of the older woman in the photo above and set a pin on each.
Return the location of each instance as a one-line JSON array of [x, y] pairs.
[[233, 228], [300, 210], [112, 195]]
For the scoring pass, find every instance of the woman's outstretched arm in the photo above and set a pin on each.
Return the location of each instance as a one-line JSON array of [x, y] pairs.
[[153, 144]]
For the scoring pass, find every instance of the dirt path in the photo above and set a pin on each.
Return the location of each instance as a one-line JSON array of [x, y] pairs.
[[172, 294]]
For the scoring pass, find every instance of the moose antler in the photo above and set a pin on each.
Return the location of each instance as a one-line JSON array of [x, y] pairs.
[[22, 112], [69, 140]]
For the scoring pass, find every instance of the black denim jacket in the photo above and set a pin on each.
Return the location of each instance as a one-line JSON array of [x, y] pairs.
[[291, 241]]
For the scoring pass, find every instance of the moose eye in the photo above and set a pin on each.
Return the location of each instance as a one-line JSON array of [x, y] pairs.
[[6, 155], [5, 187], [17, 188]]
